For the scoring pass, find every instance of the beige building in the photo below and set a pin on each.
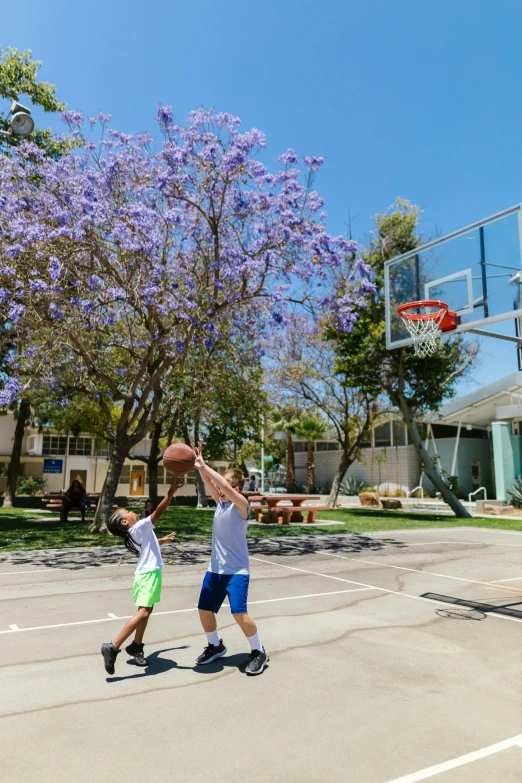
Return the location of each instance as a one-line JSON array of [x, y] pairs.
[[60, 459]]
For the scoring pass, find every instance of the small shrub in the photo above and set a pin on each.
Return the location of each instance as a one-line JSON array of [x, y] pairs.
[[325, 488], [400, 493], [367, 489], [516, 493], [352, 485], [31, 486]]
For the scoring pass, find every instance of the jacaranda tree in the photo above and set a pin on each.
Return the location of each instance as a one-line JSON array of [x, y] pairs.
[[118, 258]]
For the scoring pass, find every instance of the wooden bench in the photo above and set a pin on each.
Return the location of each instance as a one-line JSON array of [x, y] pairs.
[[285, 512]]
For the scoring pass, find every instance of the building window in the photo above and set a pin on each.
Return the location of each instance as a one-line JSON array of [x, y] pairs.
[[300, 446], [190, 478], [383, 435], [103, 449], [80, 447], [399, 433], [163, 475], [125, 475], [30, 443], [332, 445], [54, 444]]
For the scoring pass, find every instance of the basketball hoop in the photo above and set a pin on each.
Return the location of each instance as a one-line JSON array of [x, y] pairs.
[[424, 327]]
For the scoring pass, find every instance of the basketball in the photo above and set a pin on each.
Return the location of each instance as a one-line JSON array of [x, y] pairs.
[[178, 459]]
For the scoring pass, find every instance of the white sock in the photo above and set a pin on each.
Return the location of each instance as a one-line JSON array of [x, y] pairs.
[[255, 643], [212, 637]]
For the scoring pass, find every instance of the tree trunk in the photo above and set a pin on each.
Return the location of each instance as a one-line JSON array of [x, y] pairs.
[[344, 464], [202, 492], [310, 468], [154, 460], [200, 485], [290, 464], [13, 471], [108, 493], [429, 463]]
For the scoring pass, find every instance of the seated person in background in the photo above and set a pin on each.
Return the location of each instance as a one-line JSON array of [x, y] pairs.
[[75, 497], [252, 487]]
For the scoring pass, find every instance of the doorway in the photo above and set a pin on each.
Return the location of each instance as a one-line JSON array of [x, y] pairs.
[[78, 475], [476, 474], [137, 482]]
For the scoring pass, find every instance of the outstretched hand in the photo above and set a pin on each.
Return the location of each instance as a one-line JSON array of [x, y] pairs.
[[199, 462]]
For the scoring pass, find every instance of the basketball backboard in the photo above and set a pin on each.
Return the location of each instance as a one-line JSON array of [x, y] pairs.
[[477, 271]]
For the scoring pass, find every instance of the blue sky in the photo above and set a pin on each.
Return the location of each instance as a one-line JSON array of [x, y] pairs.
[[411, 98]]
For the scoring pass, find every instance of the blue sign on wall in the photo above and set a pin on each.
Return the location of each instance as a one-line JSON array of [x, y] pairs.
[[53, 465]]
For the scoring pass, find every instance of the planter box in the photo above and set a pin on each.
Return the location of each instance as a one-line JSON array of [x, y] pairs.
[[27, 501]]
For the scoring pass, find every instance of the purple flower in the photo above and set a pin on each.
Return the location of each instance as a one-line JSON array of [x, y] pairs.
[[5, 293], [208, 342], [15, 311], [54, 268], [10, 392], [72, 117], [38, 285], [95, 282]]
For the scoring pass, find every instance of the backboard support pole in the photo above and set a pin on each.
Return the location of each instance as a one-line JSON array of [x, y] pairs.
[[483, 270]]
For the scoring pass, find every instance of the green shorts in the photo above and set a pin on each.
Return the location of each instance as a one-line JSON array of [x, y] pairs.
[[147, 588]]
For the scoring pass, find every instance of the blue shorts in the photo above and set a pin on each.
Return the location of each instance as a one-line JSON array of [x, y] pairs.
[[216, 587]]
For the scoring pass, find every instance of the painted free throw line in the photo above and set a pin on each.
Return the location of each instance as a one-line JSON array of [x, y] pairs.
[[111, 616], [460, 761]]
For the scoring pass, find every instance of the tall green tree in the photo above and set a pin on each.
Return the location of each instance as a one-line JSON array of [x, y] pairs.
[[311, 428], [19, 78], [414, 385], [305, 371]]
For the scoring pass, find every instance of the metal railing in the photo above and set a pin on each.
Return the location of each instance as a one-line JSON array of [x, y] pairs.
[[480, 489], [415, 489]]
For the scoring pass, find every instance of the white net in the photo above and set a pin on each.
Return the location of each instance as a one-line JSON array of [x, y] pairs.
[[424, 333]]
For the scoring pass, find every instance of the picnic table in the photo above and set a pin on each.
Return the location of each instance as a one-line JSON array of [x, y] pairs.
[[295, 501]]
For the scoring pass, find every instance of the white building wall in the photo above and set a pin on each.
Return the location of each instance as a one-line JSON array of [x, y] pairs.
[[386, 469]]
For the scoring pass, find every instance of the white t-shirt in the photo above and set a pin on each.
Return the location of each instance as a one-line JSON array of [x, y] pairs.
[[229, 542], [150, 555]]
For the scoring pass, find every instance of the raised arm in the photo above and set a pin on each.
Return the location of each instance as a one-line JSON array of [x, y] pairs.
[[175, 484], [212, 477], [209, 485]]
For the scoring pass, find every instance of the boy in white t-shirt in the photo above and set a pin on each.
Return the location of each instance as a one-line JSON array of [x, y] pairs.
[[228, 573], [139, 538]]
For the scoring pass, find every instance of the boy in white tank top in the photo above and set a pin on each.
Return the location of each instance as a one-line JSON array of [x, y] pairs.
[[228, 573]]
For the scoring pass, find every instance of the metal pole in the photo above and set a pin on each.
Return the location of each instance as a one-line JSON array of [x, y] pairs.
[[455, 452], [483, 270], [262, 454]]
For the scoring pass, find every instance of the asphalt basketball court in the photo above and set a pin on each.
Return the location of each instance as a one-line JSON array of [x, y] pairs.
[[395, 657]]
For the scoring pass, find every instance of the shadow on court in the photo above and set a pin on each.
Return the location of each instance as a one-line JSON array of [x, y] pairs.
[[309, 545], [159, 665]]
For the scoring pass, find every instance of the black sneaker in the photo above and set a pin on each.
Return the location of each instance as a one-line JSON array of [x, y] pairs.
[[136, 651], [210, 653], [257, 662], [109, 652]]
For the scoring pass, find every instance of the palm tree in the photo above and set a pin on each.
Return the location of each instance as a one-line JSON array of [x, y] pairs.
[[286, 420], [311, 428]]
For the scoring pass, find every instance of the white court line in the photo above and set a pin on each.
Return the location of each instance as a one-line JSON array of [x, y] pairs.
[[460, 761], [362, 584], [513, 579], [417, 571], [71, 568], [178, 611]]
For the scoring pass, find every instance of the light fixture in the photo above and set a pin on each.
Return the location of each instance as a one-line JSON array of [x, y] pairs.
[[21, 122], [469, 427]]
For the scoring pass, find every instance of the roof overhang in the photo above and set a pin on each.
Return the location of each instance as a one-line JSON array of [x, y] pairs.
[[499, 400]]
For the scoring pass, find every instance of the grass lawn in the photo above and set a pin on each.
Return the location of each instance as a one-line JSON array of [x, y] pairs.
[[27, 529]]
